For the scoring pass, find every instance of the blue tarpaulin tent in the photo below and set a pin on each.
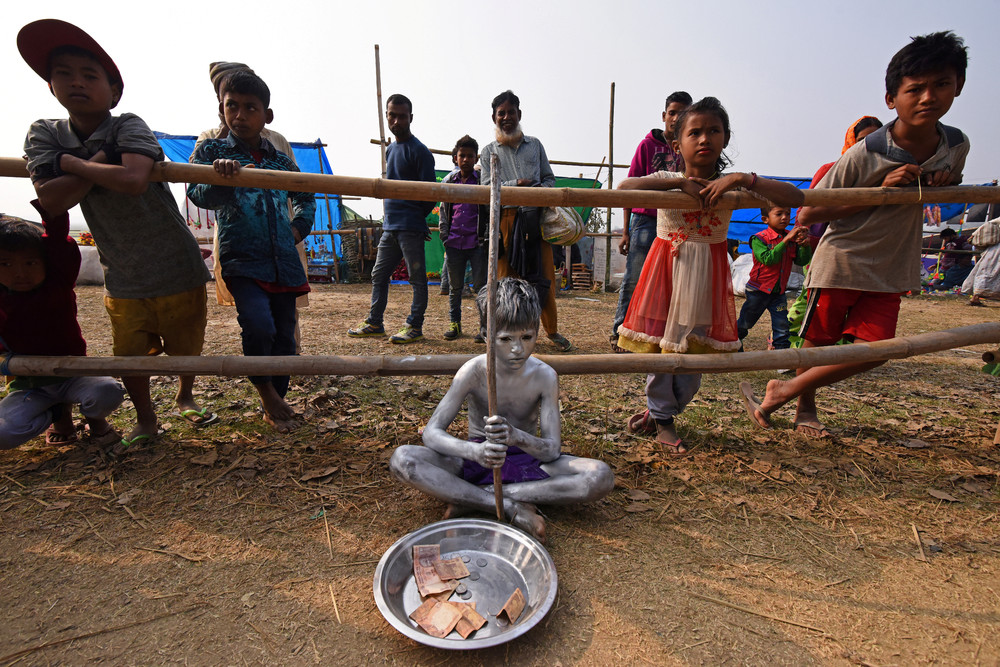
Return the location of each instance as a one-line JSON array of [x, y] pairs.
[[311, 159]]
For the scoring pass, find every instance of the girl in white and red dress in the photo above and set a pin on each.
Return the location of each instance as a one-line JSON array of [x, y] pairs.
[[683, 301]]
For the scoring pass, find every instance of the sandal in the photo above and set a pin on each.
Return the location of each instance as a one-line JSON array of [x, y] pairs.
[[55, 438], [561, 342], [109, 437], [615, 347], [676, 448], [200, 417], [127, 443], [752, 406], [642, 423]]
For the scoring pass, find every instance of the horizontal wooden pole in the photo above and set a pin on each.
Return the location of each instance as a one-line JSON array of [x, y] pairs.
[[379, 188], [447, 364]]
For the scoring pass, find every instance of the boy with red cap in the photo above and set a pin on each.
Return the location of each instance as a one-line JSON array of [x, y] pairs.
[[153, 270]]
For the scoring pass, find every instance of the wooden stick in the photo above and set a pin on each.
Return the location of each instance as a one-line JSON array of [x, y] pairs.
[[611, 185], [378, 94], [920, 545], [747, 610], [491, 316], [445, 364], [87, 635], [379, 188], [329, 542], [335, 610]]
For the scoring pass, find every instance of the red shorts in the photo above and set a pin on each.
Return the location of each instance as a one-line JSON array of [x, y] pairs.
[[833, 313]]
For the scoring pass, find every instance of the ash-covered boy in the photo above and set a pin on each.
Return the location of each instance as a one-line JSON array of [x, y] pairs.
[[524, 439]]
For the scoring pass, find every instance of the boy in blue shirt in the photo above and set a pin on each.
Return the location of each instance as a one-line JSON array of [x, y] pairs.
[[775, 250], [256, 240], [404, 228]]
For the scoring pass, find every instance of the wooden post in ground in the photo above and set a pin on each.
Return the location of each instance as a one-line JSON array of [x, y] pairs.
[[329, 217], [611, 185], [381, 112], [491, 316]]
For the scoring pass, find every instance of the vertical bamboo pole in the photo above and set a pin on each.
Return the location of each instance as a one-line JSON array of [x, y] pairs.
[[491, 322], [611, 184], [381, 112], [329, 218]]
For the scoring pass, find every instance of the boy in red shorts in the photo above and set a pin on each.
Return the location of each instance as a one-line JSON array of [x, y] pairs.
[[869, 256]]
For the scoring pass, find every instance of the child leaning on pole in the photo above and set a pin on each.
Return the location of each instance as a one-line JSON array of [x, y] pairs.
[[257, 240], [38, 316], [870, 256], [153, 270]]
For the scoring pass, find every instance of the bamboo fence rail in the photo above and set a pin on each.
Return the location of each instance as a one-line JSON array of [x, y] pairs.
[[378, 188], [447, 364]]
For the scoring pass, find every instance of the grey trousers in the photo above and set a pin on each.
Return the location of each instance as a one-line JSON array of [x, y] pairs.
[[25, 413], [667, 394]]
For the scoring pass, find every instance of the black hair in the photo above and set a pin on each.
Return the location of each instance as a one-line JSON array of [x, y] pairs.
[[464, 142], [517, 305], [948, 232], [18, 235], [713, 106], [927, 54], [245, 82], [505, 96], [396, 98], [73, 50], [865, 123], [679, 96]]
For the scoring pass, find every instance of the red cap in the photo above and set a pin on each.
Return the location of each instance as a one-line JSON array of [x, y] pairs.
[[38, 39]]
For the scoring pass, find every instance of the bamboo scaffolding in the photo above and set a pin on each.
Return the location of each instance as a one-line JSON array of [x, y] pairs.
[[447, 364], [378, 94], [378, 188]]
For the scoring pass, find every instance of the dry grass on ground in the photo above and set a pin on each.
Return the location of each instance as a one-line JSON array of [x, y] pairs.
[[760, 548]]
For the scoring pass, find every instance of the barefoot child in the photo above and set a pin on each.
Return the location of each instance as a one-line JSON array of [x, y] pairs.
[[256, 239], [868, 256], [775, 250], [523, 440], [683, 301], [38, 316], [153, 271]]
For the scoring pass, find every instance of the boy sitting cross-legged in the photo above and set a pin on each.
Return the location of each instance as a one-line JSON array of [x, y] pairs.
[[870, 256], [523, 439], [256, 239], [153, 270], [38, 316]]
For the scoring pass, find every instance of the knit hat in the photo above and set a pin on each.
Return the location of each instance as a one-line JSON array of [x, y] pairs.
[[218, 71], [36, 42]]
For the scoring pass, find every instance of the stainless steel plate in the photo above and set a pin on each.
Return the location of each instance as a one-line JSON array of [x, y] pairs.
[[512, 560]]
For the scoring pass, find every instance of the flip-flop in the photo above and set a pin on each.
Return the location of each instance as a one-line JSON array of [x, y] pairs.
[[204, 417], [127, 443], [674, 447], [109, 437], [55, 438], [642, 423], [807, 429], [752, 406]]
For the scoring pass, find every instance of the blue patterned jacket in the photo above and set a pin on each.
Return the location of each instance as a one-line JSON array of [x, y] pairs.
[[255, 233]]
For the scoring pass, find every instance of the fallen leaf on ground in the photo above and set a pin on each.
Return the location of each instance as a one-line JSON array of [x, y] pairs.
[[208, 459], [636, 494], [941, 495], [638, 507], [318, 473]]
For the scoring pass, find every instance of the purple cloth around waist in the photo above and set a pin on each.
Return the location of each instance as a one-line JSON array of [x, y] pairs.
[[519, 466]]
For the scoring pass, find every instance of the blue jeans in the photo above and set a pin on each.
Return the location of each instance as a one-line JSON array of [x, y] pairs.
[[392, 247], [757, 302], [953, 277], [641, 232], [455, 270], [267, 325]]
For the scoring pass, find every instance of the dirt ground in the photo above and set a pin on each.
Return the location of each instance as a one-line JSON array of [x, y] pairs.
[[231, 544]]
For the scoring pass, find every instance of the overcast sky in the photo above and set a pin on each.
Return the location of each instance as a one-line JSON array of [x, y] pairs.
[[793, 75]]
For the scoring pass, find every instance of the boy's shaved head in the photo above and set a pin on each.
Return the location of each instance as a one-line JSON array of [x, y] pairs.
[[517, 305], [926, 54]]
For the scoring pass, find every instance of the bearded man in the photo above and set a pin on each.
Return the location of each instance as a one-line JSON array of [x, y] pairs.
[[523, 254]]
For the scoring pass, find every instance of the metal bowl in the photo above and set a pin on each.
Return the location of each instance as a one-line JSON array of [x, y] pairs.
[[500, 558]]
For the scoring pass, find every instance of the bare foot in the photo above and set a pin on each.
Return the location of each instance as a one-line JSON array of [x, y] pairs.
[[454, 511], [809, 425], [776, 395], [667, 436], [527, 518], [753, 407], [101, 432], [277, 412], [143, 431]]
